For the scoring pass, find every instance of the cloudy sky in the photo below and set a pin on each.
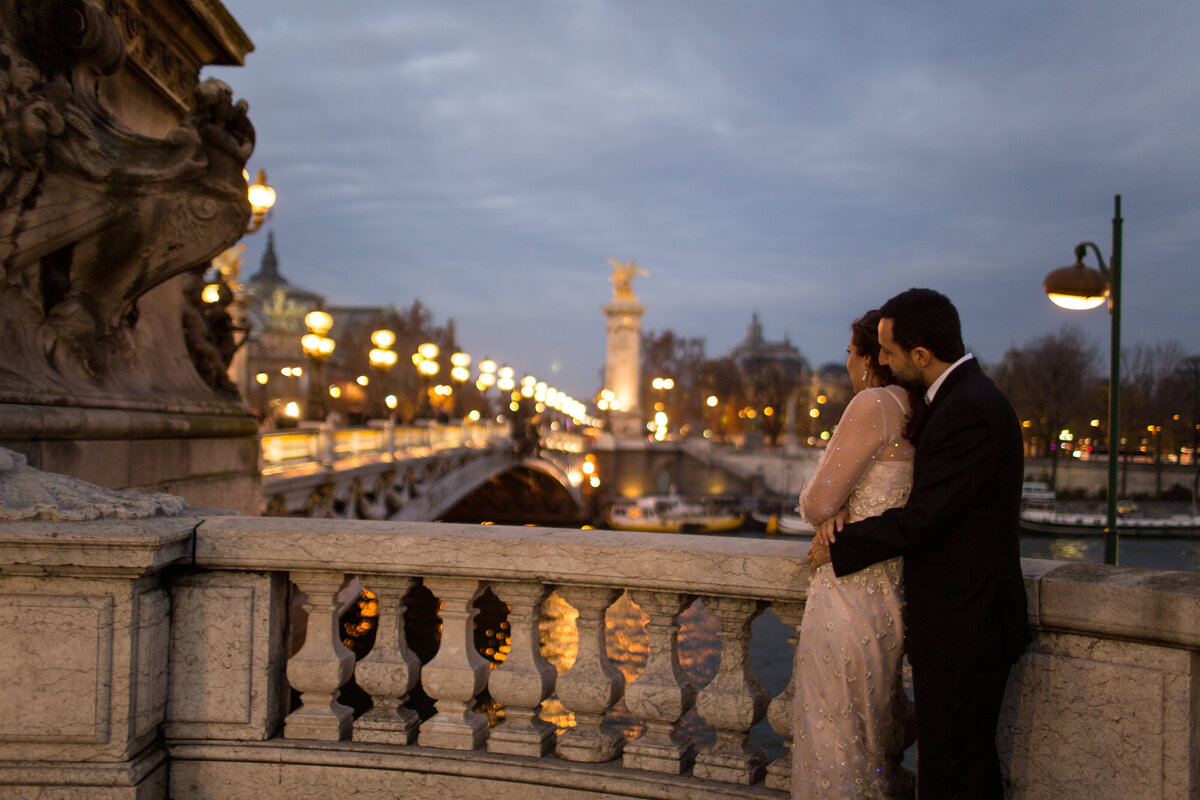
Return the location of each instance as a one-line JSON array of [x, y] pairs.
[[797, 159]]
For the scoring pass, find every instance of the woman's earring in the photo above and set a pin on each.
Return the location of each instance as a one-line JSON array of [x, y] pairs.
[[864, 377]]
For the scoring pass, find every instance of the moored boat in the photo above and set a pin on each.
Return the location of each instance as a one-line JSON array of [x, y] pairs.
[[674, 514], [1059, 522]]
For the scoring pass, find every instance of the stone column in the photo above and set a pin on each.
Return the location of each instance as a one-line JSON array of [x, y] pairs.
[[457, 674], [592, 685], [779, 713], [735, 699], [323, 664], [525, 678], [662, 693], [389, 672], [622, 369]]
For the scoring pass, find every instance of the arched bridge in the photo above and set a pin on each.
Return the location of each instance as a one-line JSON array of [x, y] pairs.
[[468, 472]]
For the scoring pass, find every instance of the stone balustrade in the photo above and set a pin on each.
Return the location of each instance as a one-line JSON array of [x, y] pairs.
[[208, 653]]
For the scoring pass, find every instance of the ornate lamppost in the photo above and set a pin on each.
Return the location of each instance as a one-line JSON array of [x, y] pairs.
[[1078, 287], [262, 200], [486, 380], [427, 367], [659, 426], [460, 373], [382, 358], [318, 348]]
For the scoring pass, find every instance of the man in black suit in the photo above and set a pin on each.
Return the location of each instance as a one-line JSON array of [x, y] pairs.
[[965, 613]]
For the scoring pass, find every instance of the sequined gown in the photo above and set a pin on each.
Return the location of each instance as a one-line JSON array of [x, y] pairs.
[[848, 700]]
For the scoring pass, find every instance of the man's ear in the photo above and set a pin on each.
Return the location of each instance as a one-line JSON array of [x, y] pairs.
[[921, 357]]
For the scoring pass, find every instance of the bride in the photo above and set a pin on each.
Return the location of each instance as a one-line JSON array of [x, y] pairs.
[[848, 730]]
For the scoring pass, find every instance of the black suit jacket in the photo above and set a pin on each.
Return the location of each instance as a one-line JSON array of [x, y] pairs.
[[959, 532]]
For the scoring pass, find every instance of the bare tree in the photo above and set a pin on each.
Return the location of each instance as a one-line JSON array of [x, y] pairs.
[[1150, 383], [771, 388], [720, 378], [1047, 382], [668, 355], [1186, 383]]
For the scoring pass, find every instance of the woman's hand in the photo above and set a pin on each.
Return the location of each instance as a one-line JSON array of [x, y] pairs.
[[824, 533]]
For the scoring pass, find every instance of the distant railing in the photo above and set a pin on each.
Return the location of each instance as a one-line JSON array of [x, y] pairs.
[[324, 446]]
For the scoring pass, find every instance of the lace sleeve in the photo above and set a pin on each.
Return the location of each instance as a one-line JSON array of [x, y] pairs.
[[853, 447]]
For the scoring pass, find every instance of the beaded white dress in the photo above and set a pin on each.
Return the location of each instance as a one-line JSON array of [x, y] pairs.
[[848, 698]]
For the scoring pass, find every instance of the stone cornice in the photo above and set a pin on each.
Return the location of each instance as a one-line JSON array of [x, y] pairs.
[[168, 43]]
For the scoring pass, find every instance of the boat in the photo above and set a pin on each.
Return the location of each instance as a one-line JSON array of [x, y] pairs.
[[675, 514], [1081, 523], [1035, 494], [793, 524]]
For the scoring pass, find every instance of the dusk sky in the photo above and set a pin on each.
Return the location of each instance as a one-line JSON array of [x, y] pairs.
[[801, 160]]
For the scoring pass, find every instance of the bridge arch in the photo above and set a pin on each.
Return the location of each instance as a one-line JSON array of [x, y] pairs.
[[513, 491]]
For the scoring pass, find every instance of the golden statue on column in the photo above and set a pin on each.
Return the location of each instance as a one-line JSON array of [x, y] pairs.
[[622, 279]]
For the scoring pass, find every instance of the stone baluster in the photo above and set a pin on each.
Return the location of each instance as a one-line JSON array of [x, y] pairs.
[[390, 671], [525, 678], [662, 693], [322, 665], [735, 699], [779, 713], [457, 673], [592, 685]]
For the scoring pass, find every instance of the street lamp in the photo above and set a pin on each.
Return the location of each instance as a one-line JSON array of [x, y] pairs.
[[427, 367], [1080, 287], [382, 358], [262, 200], [318, 347]]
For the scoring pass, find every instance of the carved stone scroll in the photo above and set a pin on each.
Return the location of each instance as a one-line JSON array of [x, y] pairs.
[[28, 493]]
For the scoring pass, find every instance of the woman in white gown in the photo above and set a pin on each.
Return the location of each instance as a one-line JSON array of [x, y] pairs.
[[848, 729]]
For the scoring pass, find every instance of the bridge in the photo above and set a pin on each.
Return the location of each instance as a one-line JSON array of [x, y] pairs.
[[471, 471]]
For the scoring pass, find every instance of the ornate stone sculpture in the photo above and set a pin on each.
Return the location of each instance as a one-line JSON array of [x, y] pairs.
[[622, 280], [94, 215], [28, 493]]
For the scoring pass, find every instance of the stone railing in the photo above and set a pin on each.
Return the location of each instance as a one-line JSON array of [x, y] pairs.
[[207, 652]]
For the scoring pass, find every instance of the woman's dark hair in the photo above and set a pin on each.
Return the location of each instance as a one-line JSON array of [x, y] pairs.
[[864, 337]]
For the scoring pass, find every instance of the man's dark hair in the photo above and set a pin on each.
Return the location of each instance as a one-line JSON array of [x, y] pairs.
[[925, 318]]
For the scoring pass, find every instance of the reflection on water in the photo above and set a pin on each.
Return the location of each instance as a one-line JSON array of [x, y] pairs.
[[1163, 552], [628, 646]]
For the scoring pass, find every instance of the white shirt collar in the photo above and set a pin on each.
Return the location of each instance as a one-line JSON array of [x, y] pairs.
[[933, 387]]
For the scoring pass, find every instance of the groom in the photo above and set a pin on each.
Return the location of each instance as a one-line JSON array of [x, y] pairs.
[[965, 614]]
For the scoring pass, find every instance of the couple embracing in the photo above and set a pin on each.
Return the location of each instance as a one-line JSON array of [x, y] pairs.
[[916, 507]]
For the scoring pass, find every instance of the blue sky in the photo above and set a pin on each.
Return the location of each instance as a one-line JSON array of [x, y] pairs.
[[801, 160]]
